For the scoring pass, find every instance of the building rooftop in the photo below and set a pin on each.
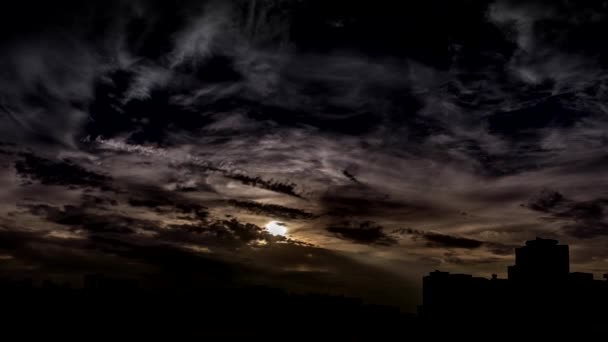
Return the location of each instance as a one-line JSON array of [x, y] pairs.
[[542, 242]]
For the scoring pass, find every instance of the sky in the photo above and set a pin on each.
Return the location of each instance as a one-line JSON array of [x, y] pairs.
[[326, 146]]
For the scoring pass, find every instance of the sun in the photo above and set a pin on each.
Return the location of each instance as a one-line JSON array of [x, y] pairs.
[[276, 228]]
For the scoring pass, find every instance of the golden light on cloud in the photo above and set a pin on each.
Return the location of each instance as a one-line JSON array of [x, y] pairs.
[[276, 228]]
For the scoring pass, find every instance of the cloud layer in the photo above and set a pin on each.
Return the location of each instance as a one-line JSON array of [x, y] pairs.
[[394, 139]]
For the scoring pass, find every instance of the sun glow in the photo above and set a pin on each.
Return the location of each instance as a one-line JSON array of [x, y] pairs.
[[276, 228]]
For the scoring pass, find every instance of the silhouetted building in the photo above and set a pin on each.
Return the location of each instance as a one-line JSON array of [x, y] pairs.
[[448, 294], [540, 260], [105, 283], [539, 288], [581, 277]]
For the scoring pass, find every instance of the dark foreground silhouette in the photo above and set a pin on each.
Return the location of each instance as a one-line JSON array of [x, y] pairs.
[[540, 298], [540, 294], [118, 308]]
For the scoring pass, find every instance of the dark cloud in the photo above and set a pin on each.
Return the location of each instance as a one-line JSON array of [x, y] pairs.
[[221, 234], [199, 234], [321, 26], [108, 224], [281, 187], [149, 119], [164, 203], [528, 89], [557, 23], [245, 232], [80, 218], [587, 229], [441, 240], [286, 188], [438, 240], [546, 201], [354, 200], [113, 234], [59, 172], [350, 176], [102, 202], [552, 112], [452, 258], [272, 210], [589, 210], [365, 233], [197, 72], [38, 254], [500, 248], [583, 219]]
